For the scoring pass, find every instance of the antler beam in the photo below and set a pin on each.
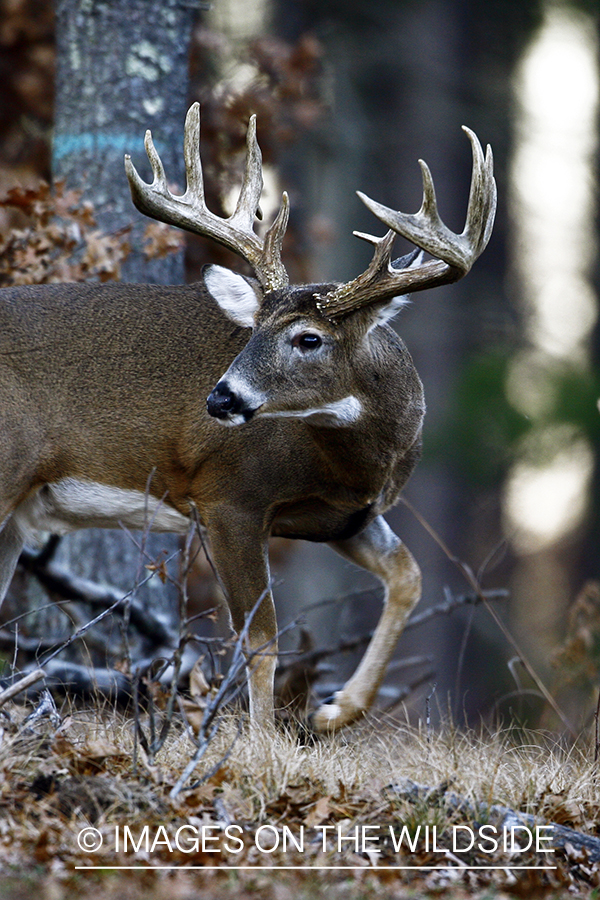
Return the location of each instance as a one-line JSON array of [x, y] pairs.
[[189, 211], [454, 253]]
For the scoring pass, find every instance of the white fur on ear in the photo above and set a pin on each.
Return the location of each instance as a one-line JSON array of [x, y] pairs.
[[236, 297], [389, 310]]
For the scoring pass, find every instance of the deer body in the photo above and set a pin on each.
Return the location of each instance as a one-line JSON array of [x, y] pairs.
[[104, 418], [148, 335]]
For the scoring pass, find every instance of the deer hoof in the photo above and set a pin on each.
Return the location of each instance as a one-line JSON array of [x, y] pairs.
[[336, 713]]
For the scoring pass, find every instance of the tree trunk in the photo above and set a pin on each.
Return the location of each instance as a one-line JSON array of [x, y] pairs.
[[121, 68]]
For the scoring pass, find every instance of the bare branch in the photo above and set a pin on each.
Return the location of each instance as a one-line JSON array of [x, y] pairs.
[[21, 685], [58, 580], [472, 580]]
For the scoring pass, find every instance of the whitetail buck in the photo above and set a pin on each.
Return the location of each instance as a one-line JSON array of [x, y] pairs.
[[102, 385]]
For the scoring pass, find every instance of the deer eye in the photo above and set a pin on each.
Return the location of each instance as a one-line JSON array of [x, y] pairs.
[[307, 340]]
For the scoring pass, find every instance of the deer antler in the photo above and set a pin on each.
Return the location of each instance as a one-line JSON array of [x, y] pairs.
[[455, 253], [189, 210]]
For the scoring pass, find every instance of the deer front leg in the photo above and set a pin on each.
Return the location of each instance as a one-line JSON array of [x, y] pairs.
[[240, 555], [381, 552], [11, 544]]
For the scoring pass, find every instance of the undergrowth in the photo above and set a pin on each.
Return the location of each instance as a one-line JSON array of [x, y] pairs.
[[257, 795]]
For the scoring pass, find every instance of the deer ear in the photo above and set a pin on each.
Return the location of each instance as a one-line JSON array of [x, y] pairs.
[[386, 311], [236, 295]]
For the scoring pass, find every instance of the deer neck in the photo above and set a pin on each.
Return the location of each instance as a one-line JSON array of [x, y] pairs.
[[375, 451]]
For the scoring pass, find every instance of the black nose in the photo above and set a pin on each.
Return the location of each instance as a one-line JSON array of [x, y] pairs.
[[222, 401]]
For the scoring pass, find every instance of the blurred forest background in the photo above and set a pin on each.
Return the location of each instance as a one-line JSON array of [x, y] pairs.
[[349, 94]]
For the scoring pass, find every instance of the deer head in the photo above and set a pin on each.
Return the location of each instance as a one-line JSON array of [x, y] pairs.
[[308, 343]]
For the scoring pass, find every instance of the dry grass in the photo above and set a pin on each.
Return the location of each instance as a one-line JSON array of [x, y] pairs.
[[54, 784]]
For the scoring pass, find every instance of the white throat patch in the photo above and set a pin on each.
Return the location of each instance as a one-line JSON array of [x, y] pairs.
[[342, 412]]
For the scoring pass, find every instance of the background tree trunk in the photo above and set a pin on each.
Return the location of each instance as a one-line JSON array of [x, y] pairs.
[[110, 88]]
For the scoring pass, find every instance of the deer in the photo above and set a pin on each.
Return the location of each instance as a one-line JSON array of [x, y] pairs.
[[247, 404]]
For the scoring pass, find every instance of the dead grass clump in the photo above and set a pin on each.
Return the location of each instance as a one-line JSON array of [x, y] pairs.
[[271, 799]]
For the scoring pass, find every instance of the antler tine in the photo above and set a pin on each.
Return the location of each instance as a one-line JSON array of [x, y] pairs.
[[191, 155], [380, 281], [136, 184], [344, 298], [247, 207], [155, 161], [482, 196], [454, 253], [189, 211], [274, 238], [252, 182], [426, 229]]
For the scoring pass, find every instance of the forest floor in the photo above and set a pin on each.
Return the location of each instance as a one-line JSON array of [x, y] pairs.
[[382, 810]]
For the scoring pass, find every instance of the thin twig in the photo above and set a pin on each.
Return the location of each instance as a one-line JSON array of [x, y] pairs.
[[99, 618], [597, 730], [407, 689], [154, 742], [471, 579], [228, 690], [72, 588], [21, 685], [313, 657], [428, 711]]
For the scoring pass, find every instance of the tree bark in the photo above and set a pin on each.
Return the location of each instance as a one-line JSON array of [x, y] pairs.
[[119, 72], [121, 68]]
